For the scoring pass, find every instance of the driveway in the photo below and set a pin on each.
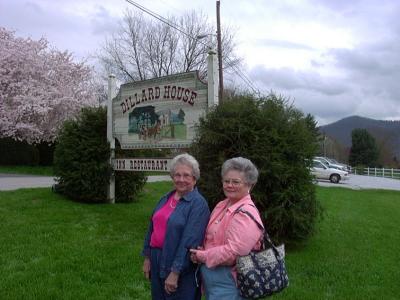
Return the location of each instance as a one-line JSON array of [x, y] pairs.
[[357, 182], [14, 181]]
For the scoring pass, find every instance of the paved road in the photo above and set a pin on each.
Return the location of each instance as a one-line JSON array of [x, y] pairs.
[[357, 182], [14, 181]]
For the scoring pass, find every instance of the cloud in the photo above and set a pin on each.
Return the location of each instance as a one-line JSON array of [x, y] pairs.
[[366, 84], [102, 22], [290, 79], [282, 44]]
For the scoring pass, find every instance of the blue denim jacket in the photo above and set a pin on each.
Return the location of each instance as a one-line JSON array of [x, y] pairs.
[[185, 229]]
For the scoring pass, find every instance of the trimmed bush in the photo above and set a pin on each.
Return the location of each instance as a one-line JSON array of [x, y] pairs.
[[81, 161], [281, 141]]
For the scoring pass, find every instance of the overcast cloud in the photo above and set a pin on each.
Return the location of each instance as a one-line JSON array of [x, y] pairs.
[[331, 58]]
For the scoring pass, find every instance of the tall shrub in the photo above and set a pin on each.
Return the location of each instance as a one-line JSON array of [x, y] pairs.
[[81, 161], [281, 141]]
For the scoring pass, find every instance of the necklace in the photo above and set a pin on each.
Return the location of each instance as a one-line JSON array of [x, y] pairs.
[[171, 203]]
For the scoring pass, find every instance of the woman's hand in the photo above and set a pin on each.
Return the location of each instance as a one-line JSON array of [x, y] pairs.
[[193, 255], [146, 268], [171, 283]]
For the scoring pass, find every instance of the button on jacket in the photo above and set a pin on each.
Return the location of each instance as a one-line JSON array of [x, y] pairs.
[[185, 230]]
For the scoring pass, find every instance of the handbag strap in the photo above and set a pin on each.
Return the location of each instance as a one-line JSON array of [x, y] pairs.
[[240, 209], [266, 236]]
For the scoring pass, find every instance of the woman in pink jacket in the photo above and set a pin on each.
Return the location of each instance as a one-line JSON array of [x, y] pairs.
[[230, 233]]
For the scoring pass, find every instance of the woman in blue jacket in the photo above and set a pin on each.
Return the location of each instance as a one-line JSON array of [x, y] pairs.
[[177, 224]]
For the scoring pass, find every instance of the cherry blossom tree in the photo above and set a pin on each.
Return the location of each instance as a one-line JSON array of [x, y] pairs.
[[40, 87]]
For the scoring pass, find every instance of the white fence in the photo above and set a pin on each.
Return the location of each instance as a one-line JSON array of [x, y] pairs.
[[377, 172]]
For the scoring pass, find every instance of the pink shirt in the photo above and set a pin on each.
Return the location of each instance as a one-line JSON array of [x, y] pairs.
[[229, 235], [160, 219]]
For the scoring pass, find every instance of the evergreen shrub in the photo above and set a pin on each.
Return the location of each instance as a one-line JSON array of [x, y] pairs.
[[281, 142], [81, 161]]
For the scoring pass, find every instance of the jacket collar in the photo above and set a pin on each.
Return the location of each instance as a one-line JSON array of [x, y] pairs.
[[188, 196], [245, 200]]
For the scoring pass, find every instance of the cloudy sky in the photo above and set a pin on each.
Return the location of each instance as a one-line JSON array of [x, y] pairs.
[[332, 58]]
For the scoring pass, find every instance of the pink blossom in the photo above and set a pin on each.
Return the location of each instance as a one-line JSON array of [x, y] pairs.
[[40, 88]]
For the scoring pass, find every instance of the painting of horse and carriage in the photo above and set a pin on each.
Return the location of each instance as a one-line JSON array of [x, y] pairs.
[[152, 125]]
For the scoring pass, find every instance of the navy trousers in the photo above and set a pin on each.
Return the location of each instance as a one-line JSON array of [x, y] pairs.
[[187, 287]]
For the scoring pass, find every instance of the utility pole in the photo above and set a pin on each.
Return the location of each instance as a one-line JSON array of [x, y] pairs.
[[212, 78], [111, 140], [221, 81]]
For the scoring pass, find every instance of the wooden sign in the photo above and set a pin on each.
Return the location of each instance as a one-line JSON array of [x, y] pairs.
[[142, 164], [160, 112]]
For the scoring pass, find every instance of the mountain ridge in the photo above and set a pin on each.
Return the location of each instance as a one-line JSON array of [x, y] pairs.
[[385, 132]]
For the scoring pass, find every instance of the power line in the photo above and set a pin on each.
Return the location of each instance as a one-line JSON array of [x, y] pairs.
[[239, 72], [164, 20], [243, 76]]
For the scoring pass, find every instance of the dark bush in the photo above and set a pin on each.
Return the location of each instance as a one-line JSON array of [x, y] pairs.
[[21, 153], [14, 153], [81, 161], [281, 141], [46, 153]]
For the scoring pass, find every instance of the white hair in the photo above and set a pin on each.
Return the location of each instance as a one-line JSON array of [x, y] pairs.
[[187, 160], [242, 165]]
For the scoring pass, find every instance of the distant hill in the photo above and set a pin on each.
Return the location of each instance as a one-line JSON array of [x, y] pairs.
[[385, 132]]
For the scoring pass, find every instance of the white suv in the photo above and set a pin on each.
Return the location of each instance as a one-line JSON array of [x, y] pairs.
[[322, 171]]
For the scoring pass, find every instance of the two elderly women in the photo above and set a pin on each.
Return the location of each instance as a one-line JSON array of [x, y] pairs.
[[230, 233]]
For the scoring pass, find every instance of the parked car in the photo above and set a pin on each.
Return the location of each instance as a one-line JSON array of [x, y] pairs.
[[334, 161], [322, 171], [329, 162]]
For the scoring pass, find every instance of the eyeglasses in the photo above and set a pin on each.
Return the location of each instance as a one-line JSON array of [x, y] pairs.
[[185, 176], [233, 182]]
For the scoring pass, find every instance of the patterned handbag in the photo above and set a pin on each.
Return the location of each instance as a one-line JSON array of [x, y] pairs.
[[261, 273]]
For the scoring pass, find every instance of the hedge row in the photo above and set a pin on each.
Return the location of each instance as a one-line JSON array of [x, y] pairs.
[[21, 153]]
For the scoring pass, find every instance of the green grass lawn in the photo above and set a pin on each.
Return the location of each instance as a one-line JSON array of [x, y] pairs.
[[52, 248]]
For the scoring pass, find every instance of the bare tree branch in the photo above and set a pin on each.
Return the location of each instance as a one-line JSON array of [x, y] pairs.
[[144, 48]]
